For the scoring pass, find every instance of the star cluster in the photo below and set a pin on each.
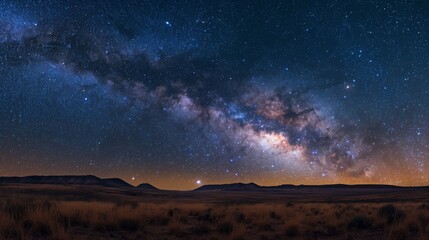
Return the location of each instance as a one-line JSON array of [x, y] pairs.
[[181, 93]]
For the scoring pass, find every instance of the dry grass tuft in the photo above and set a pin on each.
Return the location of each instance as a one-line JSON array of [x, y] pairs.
[[391, 214], [360, 223], [292, 230]]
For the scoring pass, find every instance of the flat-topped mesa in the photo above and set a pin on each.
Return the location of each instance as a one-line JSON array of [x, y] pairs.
[[66, 180]]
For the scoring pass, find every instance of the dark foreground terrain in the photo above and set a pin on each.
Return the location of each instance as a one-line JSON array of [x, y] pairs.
[[97, 209]]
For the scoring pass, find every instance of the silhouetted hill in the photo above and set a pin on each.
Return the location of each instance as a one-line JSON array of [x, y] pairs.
[[66, 180], [231, 187], [146, 186]]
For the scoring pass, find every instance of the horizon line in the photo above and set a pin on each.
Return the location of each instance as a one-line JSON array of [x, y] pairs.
[[219, 184]]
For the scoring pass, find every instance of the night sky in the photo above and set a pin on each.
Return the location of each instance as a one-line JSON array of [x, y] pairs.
[[185, 93]]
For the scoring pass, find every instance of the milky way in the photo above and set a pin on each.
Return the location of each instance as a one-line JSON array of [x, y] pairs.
[[182, 93]]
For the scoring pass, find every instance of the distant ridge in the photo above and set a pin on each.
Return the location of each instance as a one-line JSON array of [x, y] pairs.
[[254, 187], [284, 186], [67, 180]]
